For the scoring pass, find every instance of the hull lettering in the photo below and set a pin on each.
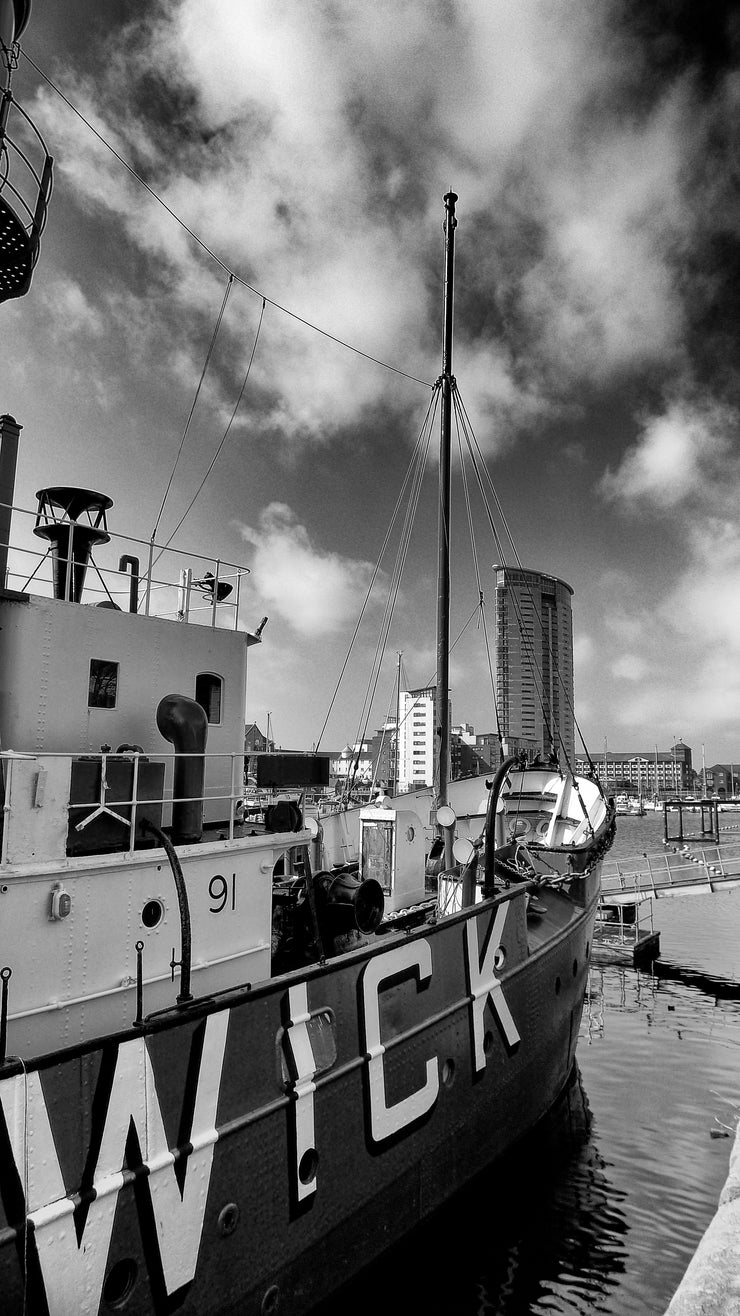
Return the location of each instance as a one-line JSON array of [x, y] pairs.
[[72, 1251], [304, 1156], [387, 1120], [485, 986]]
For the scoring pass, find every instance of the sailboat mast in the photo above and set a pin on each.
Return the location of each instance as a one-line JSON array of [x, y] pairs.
[[396, 772], [442, 694]]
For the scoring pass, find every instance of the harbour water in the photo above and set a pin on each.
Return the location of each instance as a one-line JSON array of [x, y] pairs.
[[604, 1207]]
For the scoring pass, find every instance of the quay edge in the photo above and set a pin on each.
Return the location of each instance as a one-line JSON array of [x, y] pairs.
[[711, 1284]]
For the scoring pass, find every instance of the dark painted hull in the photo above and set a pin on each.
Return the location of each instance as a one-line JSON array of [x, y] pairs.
[[348, 1102]]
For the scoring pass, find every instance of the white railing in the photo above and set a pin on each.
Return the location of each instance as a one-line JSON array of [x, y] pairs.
[[132, 574], [678, 868], [227, 792]]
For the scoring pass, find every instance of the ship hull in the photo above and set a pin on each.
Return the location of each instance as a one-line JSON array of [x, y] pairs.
[[254, 1152]]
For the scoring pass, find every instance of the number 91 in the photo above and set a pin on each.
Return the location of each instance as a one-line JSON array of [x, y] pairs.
[[218, 890]]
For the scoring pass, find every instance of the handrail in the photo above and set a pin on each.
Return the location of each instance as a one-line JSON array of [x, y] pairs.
[[135, 802], [163, 596]]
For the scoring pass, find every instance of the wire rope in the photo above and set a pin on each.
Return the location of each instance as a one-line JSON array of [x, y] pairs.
[[191, 413], [399, 502], [238, 278], [219, 449]]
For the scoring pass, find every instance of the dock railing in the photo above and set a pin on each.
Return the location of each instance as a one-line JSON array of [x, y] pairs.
[[678, 870]]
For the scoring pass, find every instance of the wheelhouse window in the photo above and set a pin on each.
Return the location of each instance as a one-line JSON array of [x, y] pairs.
[[209, 694], [103, 688]]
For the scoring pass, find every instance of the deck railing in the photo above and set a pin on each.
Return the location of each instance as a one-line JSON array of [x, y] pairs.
[[220, 802], [133, 574]]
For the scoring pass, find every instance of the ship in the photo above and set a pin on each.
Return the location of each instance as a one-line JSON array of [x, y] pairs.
[[241, 1058]]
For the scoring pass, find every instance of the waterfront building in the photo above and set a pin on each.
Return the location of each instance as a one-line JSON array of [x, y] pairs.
[[255, 742], [533, 652], [466, 759], [416, 738], [723, 780], [647, 773], [353, 765]]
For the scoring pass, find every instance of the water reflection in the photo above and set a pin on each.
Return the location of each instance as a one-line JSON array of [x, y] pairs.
[[720, 989], [543, 1231], [560, 1245]]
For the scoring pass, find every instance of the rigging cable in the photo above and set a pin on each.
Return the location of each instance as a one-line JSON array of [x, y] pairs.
[[238, 278], [395, 584], [526, 639], [209, 353], [376, 570], [476, 564], [219, 449]]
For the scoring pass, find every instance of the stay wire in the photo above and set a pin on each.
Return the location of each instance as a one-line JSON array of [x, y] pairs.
[[232, 418], [238, 278], [476, 564], [527, 640], [536, 667], [399, 502], [209, 353], [529, 656], [397, 575]]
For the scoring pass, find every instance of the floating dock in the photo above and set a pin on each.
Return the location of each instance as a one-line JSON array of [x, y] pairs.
[[699, 862], [621, 935]]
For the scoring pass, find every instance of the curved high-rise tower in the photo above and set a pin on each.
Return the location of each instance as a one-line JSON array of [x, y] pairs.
[[534, 660]]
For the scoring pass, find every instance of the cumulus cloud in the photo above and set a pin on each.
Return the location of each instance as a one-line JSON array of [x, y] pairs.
[[675, 644], [309, 149], [680, 454], [72, 308], [316, 591]]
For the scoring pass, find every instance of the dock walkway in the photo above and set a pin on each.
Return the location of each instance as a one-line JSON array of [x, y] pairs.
[[679, 870]]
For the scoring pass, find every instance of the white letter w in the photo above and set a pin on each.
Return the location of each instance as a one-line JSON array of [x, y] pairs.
[[74, 1272]]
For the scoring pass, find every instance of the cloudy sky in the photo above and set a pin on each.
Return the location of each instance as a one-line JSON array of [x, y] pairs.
[[308, 146]]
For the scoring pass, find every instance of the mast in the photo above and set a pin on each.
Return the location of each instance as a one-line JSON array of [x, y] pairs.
[[398, 727], [442, 692]]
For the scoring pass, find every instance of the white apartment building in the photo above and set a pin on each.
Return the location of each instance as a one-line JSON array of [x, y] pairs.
[[416, 738]]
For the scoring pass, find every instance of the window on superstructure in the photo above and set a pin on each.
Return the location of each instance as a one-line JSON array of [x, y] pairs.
[[208, 693], [102, 690]]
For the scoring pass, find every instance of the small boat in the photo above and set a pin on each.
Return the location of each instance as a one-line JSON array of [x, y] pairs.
[[629, 807], [240, 1057]]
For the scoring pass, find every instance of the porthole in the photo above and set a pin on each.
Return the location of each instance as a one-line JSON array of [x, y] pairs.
[[228, 1219], [152, 913], [448, 1073], [271, 1301], [558, 985], [575, 968], [119, 1283], [309, 1164], [499, 957], [488, 1043]]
